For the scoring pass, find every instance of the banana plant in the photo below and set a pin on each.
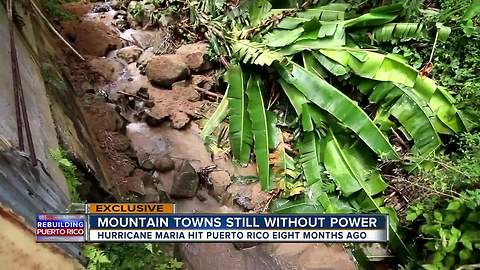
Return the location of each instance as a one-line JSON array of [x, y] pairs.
[[330, 77]]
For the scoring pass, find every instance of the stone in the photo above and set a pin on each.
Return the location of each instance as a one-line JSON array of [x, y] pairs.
[[143, 92], [195, 56], [147, 164], [179, 120], [149, 103], [145, 57], [106, 70], [186, 182], [154, 121], [134, 183], [130, 53], [164, 164], [101, 7], [219, 180], [164, 70]]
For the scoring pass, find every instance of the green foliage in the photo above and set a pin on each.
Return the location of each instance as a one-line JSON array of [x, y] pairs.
[[354, 103], [55, 10], [450, 233], [129, 256], [447, 216], [69, 171]]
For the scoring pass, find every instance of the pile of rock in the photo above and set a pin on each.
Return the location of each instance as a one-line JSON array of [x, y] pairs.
[[164, 70]]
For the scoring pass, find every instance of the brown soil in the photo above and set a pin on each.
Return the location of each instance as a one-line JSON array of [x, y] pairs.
[[91, 37], [78, 9]]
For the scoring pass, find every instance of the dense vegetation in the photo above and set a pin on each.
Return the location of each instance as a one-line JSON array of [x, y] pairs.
[[339, 83]]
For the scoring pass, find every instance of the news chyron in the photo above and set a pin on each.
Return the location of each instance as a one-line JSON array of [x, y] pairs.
[[132, 222]]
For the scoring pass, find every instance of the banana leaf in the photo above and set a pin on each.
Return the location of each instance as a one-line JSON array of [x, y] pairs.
[[258, 11], [297, 99], [250, 52], [297, 206], [381, 67], [352, 170], [340, 106], [258, 117], [281, 38], [273, 140], [376, 16], [330, 65], [330, 12], [309, 153], [311, 64], [392, 31], [240, 131], [418, 119], [411, 111], [216, 118]]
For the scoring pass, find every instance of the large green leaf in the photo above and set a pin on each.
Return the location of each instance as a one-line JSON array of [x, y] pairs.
[[281, 38], [411, 111], [389, 68], [297, 206], [354, 171], [309, 157], [392, 31], [340, 106], [297, 99], [258, 11], [240, 132], [419, 120], [377, 16], [258, 117], [250, 52], [216, 118], [351, 168]]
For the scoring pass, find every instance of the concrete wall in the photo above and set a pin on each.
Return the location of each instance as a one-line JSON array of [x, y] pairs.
[[55, 121], [37, 103]]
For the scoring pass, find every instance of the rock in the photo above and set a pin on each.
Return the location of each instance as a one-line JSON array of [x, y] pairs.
[[179, 120], [147, 164], [145, 57], [186, 182], [153, 120], [134, 183], [91, 37], [101, 7], [250, 197], [164, 164], [141, 38], [143, 92], [106, 70], [130, 53], [151, 195], [219, 180], [244, 202], [164, 70], [149, 103], [194, 55]]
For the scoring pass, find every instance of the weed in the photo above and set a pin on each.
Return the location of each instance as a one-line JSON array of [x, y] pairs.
[[69, 170], [129, 256]]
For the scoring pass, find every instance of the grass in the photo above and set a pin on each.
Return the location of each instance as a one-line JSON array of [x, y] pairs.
[[69, 171]]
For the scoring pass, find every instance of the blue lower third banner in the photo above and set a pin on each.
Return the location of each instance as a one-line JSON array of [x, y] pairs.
[[238, 228]]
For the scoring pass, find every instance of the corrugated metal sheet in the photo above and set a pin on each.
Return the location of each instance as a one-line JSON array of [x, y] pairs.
[[28, 191]]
